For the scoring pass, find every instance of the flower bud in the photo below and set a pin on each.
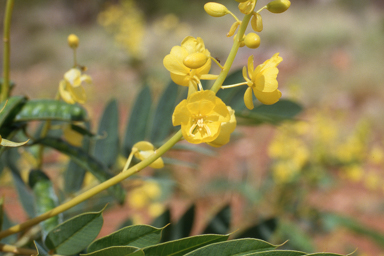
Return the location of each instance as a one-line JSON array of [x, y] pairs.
[[195, 60], [233, 28], [252, 40], [257, 22], [278, 6], [215, 9], [73, 41]]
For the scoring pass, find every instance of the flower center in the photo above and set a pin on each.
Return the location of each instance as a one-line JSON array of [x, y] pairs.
[[199, 124]]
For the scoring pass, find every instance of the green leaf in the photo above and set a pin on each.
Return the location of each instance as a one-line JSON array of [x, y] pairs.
[[6, 224], [12, 108], [85, 161], [323, 254], [137, 236], [263, 230], [45, 198], [184, 226], [277, 253], [162, 221], [75, 234], [162, 120], [107, 148], [183, 246], [273, 114], [355, 226], [298, 239], [117, 251], [236, 247], [40, 250], [46, 109], [220, 223], [138, 120]]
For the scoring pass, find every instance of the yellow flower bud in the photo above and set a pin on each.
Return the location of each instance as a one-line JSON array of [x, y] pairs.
[[215, 9], [252, 40], [233, 28], [257, 22], [278, 6], [195, 60], [73, 41]]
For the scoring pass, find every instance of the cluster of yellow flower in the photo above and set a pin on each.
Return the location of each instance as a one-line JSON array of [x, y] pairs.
[[127, 23], [145, 196], [320, 144], [203, 116]]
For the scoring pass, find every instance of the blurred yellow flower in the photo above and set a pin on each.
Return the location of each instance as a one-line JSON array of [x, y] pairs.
[[143, 150], [226, 129], [262, 81], [70, 88], [73, 137], [189, 62], [201, 116]]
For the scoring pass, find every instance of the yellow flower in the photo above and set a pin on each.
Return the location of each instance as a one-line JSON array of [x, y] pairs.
[[247, 7], [143, 150], [73, 137], [201, 116], [70, 87], [189, 62], [262, 81], [226, 129]]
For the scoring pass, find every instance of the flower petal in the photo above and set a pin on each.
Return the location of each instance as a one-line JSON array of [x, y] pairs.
[[8, 143], [226, 129], [267, 98], [73, 77], [64, 93], [248, 98], [77, 93], [250, 67], [266, 80], [181, 114], [180, 79]]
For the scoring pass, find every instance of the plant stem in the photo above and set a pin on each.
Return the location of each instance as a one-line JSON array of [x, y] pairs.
[[6, 50], [15, 250], [232, 54]]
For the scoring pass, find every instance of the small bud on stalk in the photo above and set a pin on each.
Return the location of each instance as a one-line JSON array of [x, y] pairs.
[[73, 41], [195, 60], [252, 40], [215, 9], [278, 6]]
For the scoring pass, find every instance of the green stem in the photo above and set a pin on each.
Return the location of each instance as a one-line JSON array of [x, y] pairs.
[[134, 169], [6, 50], [232, 54], [95, 190]]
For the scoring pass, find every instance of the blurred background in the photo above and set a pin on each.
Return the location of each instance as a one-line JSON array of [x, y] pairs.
[[319, 178]]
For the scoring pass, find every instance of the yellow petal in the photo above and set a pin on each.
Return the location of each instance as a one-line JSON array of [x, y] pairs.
[[181, 114], [266, 81], [174, 65], [64, 93], [77, 93], [157, 164], [267, 98], [193, 45], [226, 129], [8, 143], [202, 107], [144, 146], [248, 98], [250, 67], [86, 78], [247, 7], [180, 79], [73, 137], [73, 77], [205, 68]]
